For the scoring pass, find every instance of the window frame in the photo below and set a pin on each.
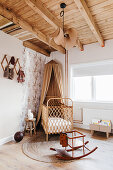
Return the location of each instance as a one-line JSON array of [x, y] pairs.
[[93, 94]]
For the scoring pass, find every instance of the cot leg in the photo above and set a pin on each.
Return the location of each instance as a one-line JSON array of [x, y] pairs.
[[25, 129], [31, 128], [46, 137], [107, 134], [92, 132]]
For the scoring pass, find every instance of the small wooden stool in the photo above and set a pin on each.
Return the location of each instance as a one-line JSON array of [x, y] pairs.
[[30, 125]]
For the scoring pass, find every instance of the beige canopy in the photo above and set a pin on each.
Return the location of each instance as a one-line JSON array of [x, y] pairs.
[[52, 84]]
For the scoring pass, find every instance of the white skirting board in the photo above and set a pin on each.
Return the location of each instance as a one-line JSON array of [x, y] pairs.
[[6, 140]]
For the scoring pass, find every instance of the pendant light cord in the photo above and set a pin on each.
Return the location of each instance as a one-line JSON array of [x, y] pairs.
[[62, 15]]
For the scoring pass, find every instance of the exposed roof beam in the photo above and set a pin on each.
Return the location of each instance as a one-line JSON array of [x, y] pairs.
[[3, 21], [81, 4], [25, 25], [26, 37], [35, 48], [22, 34], [39, 8], [5, 25], [17, 32], [11, 28]]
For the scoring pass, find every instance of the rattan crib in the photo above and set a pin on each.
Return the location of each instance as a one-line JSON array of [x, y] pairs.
[[55, 112], [57, 116]]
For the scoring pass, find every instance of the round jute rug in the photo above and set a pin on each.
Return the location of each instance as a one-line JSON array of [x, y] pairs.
[[38, 149]]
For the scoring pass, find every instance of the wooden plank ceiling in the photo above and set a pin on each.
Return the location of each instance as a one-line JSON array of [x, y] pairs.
[[33, 21]]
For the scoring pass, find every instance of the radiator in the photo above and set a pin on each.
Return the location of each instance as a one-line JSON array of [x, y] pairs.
[[78, 114], [89, 114]]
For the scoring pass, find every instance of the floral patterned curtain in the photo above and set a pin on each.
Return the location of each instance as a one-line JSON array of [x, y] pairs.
[[33, 66]]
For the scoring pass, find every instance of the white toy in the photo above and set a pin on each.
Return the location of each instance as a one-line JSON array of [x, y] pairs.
[[30, 114]]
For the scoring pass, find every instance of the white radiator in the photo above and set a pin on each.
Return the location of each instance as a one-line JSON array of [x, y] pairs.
[[89, 114], [78, 114]]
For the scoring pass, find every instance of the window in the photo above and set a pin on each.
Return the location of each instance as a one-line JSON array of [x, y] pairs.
[[81, 88], [92, 88], [92, 81], [104, 88]]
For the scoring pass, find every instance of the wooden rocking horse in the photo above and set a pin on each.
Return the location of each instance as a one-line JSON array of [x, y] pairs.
[[72, 136]]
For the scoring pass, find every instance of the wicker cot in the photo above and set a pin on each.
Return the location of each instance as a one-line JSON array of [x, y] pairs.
[[56, 113], [57, 116]]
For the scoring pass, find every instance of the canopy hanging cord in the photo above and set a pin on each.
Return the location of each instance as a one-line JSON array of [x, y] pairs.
[[66, 74]]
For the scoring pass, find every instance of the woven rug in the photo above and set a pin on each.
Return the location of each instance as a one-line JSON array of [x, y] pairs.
[[38, 149]]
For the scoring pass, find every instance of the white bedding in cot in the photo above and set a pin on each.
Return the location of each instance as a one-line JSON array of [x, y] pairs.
[[56, 125]]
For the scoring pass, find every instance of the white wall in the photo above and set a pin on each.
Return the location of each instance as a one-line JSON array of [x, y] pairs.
[[10, 107], [92, 53], [10, 90]]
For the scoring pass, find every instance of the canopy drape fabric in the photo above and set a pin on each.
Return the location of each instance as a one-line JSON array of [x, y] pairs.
[[49, 67], [58, 76], [46, 81]]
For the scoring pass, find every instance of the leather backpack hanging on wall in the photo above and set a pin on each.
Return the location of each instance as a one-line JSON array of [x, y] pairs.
[[9, 69], [21, 76]]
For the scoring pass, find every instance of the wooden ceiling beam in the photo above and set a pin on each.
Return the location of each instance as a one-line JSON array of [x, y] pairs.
[[26, 37], [81, 4], [25, 25], [10, 28], [39, 8], [35, 48], [17, 32], [4, 21]]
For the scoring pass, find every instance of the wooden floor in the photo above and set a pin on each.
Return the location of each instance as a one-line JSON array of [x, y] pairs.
[[12, 158]]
